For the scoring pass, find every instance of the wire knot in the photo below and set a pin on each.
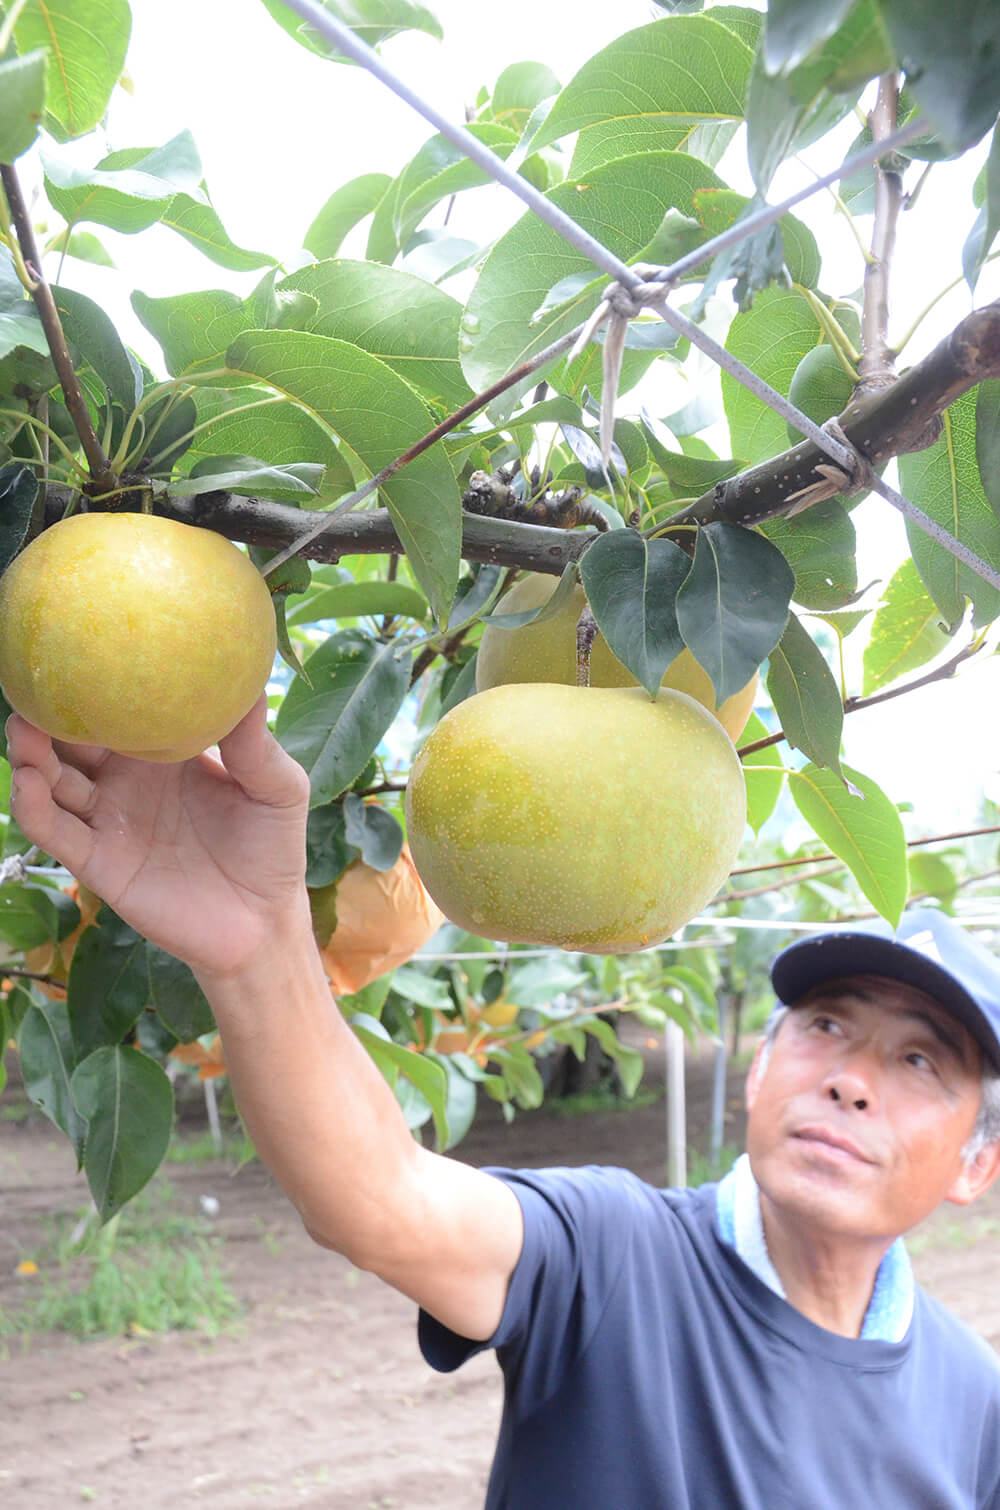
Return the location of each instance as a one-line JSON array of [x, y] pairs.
[[862, 476]]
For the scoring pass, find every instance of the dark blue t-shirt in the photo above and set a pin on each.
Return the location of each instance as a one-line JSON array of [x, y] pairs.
[[647, 1368]]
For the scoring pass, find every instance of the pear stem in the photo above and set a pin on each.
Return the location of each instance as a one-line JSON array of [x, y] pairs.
[[586, 634]]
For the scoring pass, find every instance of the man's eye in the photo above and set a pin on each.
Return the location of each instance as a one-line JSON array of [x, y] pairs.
[[826, 1024], [919, 1060]]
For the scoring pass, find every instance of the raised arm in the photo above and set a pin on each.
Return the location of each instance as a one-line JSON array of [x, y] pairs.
[[207, 859]]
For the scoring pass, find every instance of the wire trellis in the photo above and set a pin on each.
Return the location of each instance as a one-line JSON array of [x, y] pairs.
[[648, 288]]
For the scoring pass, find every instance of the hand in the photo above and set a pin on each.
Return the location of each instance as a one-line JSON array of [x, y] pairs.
[[205, 857]]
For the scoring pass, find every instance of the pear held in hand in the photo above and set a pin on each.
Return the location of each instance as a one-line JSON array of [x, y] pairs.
[[546, 652], [147, 636], [588, 818]]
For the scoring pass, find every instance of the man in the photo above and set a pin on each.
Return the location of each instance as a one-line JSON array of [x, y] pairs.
[[756, 1344]]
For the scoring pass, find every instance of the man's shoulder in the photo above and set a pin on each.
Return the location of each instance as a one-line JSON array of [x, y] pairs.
[[947, 1342]]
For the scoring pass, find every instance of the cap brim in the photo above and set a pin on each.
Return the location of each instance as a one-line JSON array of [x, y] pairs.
[[829, 956]]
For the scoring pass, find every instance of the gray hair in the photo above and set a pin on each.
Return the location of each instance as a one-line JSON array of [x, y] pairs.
[[987, 1125]]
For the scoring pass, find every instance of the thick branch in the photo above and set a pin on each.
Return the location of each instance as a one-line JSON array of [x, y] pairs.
[[891, 422], [100, 466], [903, 418], [253, 521]]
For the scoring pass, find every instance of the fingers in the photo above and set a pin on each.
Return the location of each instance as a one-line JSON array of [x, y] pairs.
[[71, 788], [258, 764], [50, 798], [42, 820]]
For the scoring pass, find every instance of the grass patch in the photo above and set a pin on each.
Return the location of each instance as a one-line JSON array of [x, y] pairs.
[[702, 1168], [152, 1269], [199, 1148], [582, 1103]]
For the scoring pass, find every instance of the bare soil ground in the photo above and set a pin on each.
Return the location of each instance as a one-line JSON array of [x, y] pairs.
[[318, 1396]]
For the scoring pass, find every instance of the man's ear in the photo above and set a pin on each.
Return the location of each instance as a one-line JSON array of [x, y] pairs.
[[973, 1180], [755, 1075]]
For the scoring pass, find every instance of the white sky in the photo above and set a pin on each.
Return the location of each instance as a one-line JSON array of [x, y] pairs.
[[279, 129]]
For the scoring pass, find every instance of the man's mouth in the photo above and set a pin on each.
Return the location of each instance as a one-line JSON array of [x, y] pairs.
[[832, 1145]]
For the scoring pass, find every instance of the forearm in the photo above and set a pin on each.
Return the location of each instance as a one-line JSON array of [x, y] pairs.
[[321, 1117]]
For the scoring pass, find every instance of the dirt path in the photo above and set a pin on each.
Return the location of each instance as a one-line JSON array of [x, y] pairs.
[[319, 1397]]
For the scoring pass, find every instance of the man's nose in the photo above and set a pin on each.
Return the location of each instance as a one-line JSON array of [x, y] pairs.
[[852, 1083]]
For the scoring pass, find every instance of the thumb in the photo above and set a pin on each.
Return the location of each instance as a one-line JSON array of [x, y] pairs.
[[258, 764]]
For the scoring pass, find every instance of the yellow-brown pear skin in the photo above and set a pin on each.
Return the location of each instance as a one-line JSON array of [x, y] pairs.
[[546, 652], [135, 632], [586, 818]]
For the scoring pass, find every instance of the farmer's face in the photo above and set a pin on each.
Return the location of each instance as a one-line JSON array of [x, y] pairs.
[[858, 1120]]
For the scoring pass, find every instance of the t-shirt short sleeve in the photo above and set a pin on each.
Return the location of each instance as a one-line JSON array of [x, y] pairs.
[[577, 1228]]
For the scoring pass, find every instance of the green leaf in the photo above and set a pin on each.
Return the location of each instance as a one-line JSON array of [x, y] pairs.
[[83, 245], [792, 30], [291, 483], [18, 491], [631, 585], [22, 100], [48, 1059], [649, 90], [428, 1077], [354, 600], [931, 875], [987, 425], [108, 986], [462, 1101], [763, 786], [165, 434], [198, 222], [86, 42], [343, 210], [518, 90], [31, 915], [19, 322], [984, 232], [328, 853], [945, 482], [806, 697], [374, 831], [411, 325], [502, 327], [129, 1106], [951, 55], [795, 249], [176, 996], [861, 826], [128, 190], [820, 546], [790, 110], [279, 434], [378, 416], [733, 606], [771, 339], [373, 21], [192, 328], [439, 170], [92, 338], [332, 728], [906, 631]]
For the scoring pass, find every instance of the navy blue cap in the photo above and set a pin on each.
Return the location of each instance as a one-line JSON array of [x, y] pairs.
[[928, 950]]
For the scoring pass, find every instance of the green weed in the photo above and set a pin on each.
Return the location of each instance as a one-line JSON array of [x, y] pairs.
[[702, 1169], [151, 1269]]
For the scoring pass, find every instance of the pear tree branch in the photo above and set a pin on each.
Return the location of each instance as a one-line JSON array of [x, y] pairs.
[[41, 293]]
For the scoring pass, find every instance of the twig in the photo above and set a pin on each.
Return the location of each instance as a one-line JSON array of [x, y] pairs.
[[100, 466], [963, 833], [854, 704], [876, 367]]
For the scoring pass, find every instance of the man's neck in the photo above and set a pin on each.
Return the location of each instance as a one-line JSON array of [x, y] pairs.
[[829, 1279]]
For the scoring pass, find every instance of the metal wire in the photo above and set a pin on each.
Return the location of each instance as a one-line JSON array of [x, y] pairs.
[[845, 457]]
